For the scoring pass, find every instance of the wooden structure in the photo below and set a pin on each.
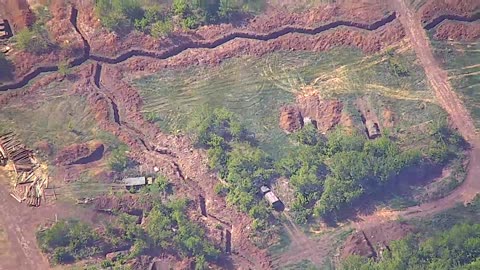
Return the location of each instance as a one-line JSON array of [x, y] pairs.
[[30, 179], [11, 149], [5, 31]]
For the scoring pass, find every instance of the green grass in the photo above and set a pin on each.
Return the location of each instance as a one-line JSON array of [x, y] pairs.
[[282, 244], [53, 115], [461, 60], [417, 4], [305, 264], [256, 88]]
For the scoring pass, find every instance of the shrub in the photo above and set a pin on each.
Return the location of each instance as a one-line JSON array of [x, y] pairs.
[[24, 38], [61, 255], [119, 160], [69, 240], [64, 68], [161, 29], [33, 40]]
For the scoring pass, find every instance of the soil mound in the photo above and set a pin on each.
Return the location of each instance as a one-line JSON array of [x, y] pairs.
[[436, 8], [291, 119], [373, 241], [324, 114], [18, 13], [458, 31], [80, 153]]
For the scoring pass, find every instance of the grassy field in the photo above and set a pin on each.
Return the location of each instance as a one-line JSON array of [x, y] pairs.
[[461, 60], [256, 88], [54, 115], [417, 4]]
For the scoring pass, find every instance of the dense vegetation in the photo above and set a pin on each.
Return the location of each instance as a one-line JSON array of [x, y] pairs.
[[232, 152], [332, 174], [159, 20], [328, 174], [68, 241], [457, 248], [167, 228]]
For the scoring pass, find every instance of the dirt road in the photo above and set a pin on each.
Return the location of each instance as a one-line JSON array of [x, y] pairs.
[[16, 220], [460, 119], [20, 224], [449, 100]]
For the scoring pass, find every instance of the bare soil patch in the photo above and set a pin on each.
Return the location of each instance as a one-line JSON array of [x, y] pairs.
[[436, 8], [451, 30], [373, 241]]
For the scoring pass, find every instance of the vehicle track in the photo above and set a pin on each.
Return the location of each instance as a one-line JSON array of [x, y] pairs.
[[449, 100], [415, 30]]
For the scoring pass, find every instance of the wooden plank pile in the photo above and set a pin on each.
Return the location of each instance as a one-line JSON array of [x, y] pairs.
[[30, 178], [22, 158]]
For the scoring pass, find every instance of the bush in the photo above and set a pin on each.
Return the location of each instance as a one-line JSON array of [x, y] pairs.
[[69, 240], [118, 15], [64, 68], [119, 160], [161, 29], [457, 248], [61, 255], [33, 40]]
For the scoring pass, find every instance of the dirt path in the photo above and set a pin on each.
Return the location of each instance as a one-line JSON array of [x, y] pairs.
[[460, 118], [303, 247], [16, 220], [20, 224], [449, 100]]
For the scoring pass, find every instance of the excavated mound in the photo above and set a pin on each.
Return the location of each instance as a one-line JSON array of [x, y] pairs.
[[110, 44], [367, 41], [325, 114], [458, 31], [18, 13], [373, 241], [291, 118], [80, 153], [436, 8]]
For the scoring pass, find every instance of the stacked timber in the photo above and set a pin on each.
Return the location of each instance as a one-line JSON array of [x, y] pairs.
[[30, 179], [22, 158]]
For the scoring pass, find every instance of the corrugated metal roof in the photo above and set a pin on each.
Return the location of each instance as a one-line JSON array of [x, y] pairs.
[[135, 181]]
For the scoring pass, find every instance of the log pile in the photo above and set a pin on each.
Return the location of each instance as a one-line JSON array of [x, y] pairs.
[[30, 179]]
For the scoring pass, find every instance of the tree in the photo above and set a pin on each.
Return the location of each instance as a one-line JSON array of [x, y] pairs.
[[307, 135], [69, 240]]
